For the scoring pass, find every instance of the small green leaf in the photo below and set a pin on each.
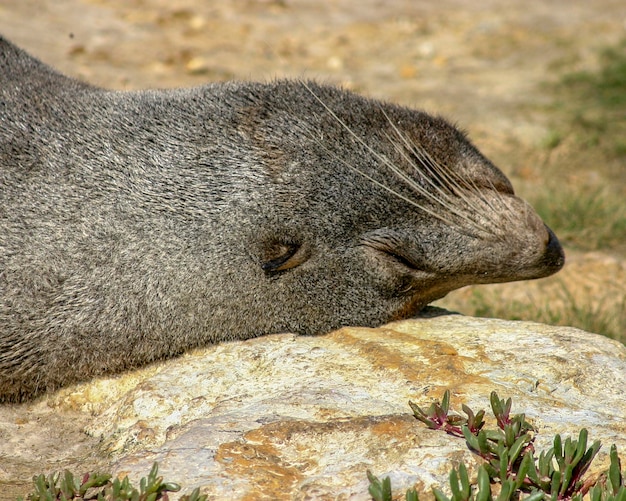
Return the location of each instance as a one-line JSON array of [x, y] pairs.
[[471, 439], [445, 402], [536, 496], [595, 493], [440, 496], [386, 489], [507, 407], [466, 487], [170, 487], [582, 442], [545, 462], [531, 472], [375, 487], [467, 410], [502, 463], [615, 470], [558, 449], [494, 435], [379, 490], [424, 417], [517, 447], [483, 444], [194, 496], [555, 485], [411, 495], [484, 487], [492, 470], [454, 486], [93, 480], [525, 468], [566, 479], [496, 404], [506, 491]]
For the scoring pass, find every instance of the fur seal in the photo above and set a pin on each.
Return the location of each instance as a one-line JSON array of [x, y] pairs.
[[137, 225]]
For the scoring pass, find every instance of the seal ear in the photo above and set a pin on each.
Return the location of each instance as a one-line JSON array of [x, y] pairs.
[[280, 256]]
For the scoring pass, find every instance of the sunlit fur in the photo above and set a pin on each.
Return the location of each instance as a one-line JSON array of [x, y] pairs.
[[137, 225]]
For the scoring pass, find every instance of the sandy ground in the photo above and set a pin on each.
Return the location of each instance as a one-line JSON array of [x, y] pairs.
[[482, 64]]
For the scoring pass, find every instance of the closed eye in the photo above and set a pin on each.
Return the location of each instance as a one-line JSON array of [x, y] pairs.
[[403, 260], [393, 249], [282, 256]]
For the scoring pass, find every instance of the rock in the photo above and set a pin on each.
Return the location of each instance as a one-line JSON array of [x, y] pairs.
[[287, 417]]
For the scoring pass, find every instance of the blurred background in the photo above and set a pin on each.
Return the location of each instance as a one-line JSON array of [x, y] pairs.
[[540, 86]]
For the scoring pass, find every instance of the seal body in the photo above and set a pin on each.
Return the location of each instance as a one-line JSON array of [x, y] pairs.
[[136, 225]]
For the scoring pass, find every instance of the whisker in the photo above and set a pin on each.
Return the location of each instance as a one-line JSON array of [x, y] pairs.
[[389, 164], [457, 185], [460, 187], [427, 179], [435, 169], [491, 211], [381, 185], [444, 198], [432, 166], [502, 201]]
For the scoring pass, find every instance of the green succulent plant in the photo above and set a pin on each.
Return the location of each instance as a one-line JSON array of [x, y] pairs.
[[100, 487], [510, 471]]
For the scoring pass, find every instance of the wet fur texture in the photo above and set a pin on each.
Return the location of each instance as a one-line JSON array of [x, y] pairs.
[[137, 225]]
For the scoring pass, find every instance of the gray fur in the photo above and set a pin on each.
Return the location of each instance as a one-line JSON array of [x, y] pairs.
[[137, 225]]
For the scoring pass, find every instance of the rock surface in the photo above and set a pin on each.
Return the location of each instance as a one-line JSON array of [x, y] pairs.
[[482, 64], [288, 417]]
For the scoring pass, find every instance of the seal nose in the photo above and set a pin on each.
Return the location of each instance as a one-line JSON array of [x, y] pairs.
[[553, 257]]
